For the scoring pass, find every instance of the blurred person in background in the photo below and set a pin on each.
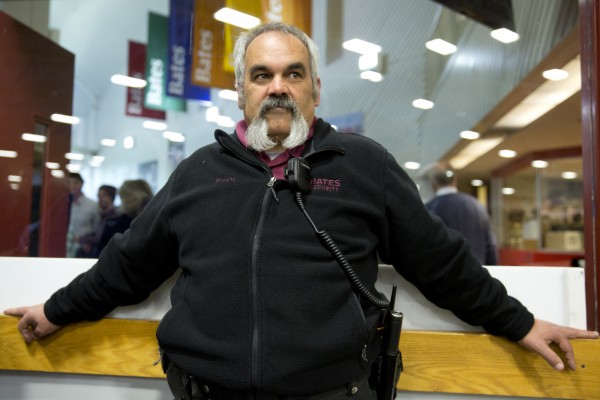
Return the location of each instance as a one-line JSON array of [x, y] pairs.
[[84, 218], [134, 194], [462, 212]]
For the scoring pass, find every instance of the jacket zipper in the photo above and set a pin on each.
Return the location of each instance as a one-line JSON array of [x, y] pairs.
[[255, 247]]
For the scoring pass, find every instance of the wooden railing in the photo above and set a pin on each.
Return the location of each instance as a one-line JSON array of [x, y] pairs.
[[444, 362]]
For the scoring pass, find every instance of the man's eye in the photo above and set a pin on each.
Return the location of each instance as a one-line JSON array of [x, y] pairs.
[[296, 75], [261, 77]]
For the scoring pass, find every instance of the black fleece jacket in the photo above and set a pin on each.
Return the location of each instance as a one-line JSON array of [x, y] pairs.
[[260, 302]]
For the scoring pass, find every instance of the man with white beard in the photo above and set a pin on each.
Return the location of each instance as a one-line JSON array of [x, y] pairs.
[[262, 308]]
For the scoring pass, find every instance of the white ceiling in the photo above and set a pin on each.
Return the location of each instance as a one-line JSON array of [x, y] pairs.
[[465, 86]]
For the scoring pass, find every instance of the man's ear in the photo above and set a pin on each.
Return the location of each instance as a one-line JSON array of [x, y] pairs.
[[318, 99]]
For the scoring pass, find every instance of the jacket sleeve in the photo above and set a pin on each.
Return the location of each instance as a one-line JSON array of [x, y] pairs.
[[129, 268], [439, 263]]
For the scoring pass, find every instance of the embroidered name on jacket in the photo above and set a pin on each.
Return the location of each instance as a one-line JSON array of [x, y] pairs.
[[327, 185], [225, 180]]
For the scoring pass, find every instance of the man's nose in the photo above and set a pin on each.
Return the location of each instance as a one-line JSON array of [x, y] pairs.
[[278, 86]]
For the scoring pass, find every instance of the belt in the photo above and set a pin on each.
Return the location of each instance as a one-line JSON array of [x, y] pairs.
[[187, 387], [215, 392]]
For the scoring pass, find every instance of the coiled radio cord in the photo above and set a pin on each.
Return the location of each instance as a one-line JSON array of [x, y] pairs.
[[341, 259]]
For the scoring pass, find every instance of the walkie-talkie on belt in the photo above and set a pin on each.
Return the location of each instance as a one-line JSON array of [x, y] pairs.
[[391, 358]]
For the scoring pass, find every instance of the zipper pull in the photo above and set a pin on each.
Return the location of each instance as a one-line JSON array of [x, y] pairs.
[[271, 185]]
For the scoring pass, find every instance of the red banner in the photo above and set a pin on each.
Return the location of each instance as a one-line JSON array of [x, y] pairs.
[[135, 97]]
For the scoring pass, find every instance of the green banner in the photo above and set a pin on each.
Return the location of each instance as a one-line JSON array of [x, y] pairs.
[[157, 54]]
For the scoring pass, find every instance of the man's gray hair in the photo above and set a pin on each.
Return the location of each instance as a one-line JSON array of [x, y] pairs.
[[245, 38]]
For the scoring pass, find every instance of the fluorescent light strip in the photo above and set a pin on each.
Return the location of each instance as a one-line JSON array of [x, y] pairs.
[[74, 156], [440, 46], [8, 154], [154, 125], [361, 46], [128, 81], [228, 95], [547, 96], [65, 119], [234, 17], [371, 76], [30, 137], [422, 104], [174, 136], [504, 35], [108, 142], [473, 151]]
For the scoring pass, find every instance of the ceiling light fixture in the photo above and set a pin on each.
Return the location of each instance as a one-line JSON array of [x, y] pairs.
[[569, 175], [236, 18], [504, 35], [74, 156], [128, 142], [8, 154], [52, 165], [476, 182], [108, 142], [65, 119], [30, 137], [174, 136], [361, 46], [412, 165], [422, 104], [73, 167], [128, 81], [508, 191], [154, 125], [547, 96], [539, 164], [228, 94], [506, 153], [440, 46], [57, 173], [555, 74], [372, 76], [470, 135]]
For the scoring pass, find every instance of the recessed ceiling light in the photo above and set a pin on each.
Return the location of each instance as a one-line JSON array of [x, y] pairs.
[[505, 153], [555, 74], [508, 191], [128, 142], [234, 17], [108, 142], [412, 165], [539, 164], [128, 81], [440, 46], [15, 178], [371, 76], [361, 46], [476, 182], [57, 173], [422, 104], [470, 135], [504, 35], [73, 167], [569, 175]]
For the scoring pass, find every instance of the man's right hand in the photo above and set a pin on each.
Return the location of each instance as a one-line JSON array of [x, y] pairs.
[[33, 324]]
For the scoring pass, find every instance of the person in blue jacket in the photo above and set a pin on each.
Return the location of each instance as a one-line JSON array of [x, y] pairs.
[[262, 309]]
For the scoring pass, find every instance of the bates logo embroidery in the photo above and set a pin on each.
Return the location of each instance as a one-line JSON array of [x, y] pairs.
[[327, 185]]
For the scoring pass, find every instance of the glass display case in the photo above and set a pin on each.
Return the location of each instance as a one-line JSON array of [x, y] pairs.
[[538, 213]]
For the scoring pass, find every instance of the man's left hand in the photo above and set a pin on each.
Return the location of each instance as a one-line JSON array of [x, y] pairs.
[[543, 333]]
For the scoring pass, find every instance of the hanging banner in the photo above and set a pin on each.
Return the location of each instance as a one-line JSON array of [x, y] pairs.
[[209, 47], [179, 82], [253, 8], [157, 52], [135, 97], [293, 12]]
